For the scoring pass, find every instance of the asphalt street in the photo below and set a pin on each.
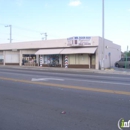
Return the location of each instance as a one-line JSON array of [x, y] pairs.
[[50, 100]]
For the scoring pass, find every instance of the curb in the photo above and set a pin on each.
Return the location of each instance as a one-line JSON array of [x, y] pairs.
[[70, 70]]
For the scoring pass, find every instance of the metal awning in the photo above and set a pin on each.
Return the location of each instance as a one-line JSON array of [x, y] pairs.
[[90, 50], [79, 50], [48, 51]]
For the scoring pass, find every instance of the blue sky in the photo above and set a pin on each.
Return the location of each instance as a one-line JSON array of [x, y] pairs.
[[65, 18]]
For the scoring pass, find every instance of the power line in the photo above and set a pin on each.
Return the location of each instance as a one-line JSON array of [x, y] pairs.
[[22, 28], [27, 29]]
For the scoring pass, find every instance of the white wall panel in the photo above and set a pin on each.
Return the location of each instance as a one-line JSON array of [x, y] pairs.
[[8, 58], [12, 57], [15, 58]]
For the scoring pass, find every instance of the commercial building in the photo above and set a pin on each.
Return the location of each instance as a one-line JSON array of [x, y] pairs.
[[73, 52]]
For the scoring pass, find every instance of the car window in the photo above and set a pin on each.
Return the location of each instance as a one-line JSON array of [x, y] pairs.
[[122, 59], [128, 59]]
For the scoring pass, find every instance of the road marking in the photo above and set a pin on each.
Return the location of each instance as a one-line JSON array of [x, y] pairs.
[[100, 82], [84, 75], [46, 79], [86, 80], [91, 81], [69, 87]]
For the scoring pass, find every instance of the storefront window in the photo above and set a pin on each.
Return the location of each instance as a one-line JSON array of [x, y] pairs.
[[28, 59], [52, 60]]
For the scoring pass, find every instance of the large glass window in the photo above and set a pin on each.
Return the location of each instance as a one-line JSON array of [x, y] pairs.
[[28, 59], [52, 60]]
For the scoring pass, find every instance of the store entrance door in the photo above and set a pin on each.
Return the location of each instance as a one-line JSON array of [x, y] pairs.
[[92, 61], [29, 60]]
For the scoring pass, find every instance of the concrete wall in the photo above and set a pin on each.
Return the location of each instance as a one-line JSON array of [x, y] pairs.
[[95, 41], [35, 44], [112, 52], [58, 43], [29, 51], [97, 58]]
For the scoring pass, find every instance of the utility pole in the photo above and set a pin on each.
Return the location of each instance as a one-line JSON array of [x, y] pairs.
[[10, 26], [45, 36], [103, 43]]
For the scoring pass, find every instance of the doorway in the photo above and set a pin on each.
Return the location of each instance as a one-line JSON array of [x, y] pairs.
[[92, 61]]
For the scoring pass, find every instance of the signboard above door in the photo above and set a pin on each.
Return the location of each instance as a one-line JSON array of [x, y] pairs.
[[79, 41]]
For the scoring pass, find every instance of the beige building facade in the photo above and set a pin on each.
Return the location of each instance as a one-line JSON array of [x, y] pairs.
[[74, 52]]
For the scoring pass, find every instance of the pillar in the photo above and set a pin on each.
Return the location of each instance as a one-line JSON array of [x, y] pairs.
[[20, 58], [37, 59], [60, 60], [4, 52]]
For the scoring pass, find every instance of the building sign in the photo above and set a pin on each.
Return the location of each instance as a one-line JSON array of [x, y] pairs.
[[79, 41], [70, 41]]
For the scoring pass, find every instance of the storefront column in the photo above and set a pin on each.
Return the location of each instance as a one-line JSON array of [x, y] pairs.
[[96, 61], [37, 59], [4, 57], [89, 62], [60, 60], [20, 58]]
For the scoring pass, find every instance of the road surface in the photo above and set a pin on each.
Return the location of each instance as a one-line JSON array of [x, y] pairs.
[[49, 100]]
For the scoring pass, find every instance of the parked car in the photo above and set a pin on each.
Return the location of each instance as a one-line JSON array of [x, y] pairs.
[[122, 62]]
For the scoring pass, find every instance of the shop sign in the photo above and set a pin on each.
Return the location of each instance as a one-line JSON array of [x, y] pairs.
[[79, 41]]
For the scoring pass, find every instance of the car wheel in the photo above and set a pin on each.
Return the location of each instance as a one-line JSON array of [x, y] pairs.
[[117, 65]]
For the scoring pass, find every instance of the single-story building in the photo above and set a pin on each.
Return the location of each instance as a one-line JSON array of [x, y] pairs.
[[73, 52]]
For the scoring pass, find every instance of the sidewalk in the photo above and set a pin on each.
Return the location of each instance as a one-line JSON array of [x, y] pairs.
[[107, 71]]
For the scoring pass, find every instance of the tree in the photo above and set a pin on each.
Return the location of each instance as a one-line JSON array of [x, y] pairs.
[[128, 53]]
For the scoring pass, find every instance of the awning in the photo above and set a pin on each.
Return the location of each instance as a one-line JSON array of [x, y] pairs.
[[90, 50], [48, 51], [79, 50]]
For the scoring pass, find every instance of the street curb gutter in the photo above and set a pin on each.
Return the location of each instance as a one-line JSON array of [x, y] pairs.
[[68, 70]]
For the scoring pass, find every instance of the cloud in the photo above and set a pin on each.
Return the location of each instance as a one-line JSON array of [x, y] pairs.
[[75, 3]]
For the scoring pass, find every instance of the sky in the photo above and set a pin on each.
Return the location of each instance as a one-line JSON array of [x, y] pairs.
[[63, 19]]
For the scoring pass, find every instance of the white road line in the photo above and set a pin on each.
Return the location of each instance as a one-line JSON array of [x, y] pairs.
[[92, 81], [46, 79], [103, 82], [87, 75]]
